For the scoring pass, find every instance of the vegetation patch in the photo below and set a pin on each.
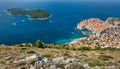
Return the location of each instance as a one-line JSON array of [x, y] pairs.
[[46, 55], [31, 52], [109, 48], [104, 57], [66, 55], [39, 44], [93, 64], [84, 55], [23, 48], [86, 48], [32, 62], [8, 49]]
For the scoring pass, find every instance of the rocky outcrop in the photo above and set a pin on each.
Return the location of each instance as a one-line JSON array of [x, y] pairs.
[[27, 59], [54, 63]]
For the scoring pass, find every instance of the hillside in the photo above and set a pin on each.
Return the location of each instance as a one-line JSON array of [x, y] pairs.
[[13, 57]]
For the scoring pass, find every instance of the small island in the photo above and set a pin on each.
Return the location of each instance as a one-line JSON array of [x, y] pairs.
[[36, 14]]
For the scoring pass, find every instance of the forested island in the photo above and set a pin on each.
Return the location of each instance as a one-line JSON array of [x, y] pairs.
[[32, 14]]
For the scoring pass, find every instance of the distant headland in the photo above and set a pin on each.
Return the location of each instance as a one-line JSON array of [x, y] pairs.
[[36, 14]]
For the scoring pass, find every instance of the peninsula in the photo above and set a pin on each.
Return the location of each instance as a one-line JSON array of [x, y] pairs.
[[104, 33], [36, 14]]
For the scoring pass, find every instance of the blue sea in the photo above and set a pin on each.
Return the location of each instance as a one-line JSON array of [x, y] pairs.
[[60, 28]]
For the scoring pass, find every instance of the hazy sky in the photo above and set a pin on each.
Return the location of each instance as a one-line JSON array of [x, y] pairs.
[[60, 0], [69, 0]]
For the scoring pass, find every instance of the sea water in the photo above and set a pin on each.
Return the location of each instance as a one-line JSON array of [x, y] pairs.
[[60, 28]]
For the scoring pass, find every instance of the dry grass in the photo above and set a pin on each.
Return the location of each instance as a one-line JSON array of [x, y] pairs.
[[22, 52]]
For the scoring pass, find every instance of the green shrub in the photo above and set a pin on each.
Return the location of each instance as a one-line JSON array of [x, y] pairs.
[[104, 57], [86, 48], [46, 55], [66, 48], [109, 48], [31, 52], [84, 55], [39, 44], [118, 49], [47, 46], [93, 64], [28, 44], [72, 48], [61, 46], [97, 48]]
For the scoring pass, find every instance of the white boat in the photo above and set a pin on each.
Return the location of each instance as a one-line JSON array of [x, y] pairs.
[[50, 21], [72, 32], [14, 24], [22, 20]]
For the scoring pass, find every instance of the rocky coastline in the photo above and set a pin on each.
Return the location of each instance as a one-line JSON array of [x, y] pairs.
[[39, 18]]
